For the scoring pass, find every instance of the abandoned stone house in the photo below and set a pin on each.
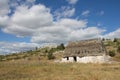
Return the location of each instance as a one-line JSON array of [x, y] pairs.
[[91, 49]]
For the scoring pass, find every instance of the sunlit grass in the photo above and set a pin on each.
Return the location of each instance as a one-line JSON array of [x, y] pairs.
[[48, 70]]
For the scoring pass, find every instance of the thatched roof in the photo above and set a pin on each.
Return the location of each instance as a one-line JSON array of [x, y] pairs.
[[85, 48]]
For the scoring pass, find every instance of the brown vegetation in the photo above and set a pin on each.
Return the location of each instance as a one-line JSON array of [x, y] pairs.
[[48, 70]]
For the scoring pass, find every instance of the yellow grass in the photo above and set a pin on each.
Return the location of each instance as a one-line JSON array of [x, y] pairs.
[[48, 70]]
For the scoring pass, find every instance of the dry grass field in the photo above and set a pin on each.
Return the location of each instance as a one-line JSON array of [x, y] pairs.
[[34, 65], [48, 70]]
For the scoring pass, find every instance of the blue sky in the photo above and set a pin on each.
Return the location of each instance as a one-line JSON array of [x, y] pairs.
[[25, 24]]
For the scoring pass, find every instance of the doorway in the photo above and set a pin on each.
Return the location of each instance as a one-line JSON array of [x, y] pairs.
[[75, 58], [67, 58]]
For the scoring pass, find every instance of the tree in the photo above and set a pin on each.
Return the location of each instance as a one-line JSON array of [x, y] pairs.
[[61, 46], [36, 48], [50, 56], [112, 53], [46, 51], [115, 40], [103, 39]]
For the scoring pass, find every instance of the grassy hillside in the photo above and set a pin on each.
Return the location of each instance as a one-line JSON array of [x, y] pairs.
[[38, 53], [113, 47], [48, 53]]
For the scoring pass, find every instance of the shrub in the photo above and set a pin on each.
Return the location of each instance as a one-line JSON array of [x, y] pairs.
[[36, 48], [1, 57], [50, 56], [24, 56], [46, 51], [103, 39], [61, 47], [17, 57], [112, 53], [118, 44], [115, 40]]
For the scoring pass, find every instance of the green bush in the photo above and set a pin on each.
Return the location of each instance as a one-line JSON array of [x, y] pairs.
[[52, 50], [61, 47], [24, 56], [50, 56], [1, 57], [112, 53], [115, 40], [103, 39]]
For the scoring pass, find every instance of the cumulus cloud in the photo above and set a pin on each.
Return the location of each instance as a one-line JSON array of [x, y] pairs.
[[4, 21], [25, 21], [85, 13], [66, 30], [64, 11], [4, 7], [86, 33], [7, 47], [51, 35], [72, 23], [4, 10], [72, 1], [114, 34], [39, 24], [59, 32]]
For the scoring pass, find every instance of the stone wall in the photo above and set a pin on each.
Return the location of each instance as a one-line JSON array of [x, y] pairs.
[[88, 59]]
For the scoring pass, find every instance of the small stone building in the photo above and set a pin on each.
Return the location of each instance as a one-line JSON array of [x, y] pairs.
[[79, 50]]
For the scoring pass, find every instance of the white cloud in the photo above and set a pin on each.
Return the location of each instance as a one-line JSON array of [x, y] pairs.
[[87, 33], [25, 21], [85, 13], [4, 7], [7, 47], [52, 34], [114, 34], [64, 12], [66, 30], [4, 10], [59, 32], [73, 23], [38, 23], [4, 21], [72, 1]]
